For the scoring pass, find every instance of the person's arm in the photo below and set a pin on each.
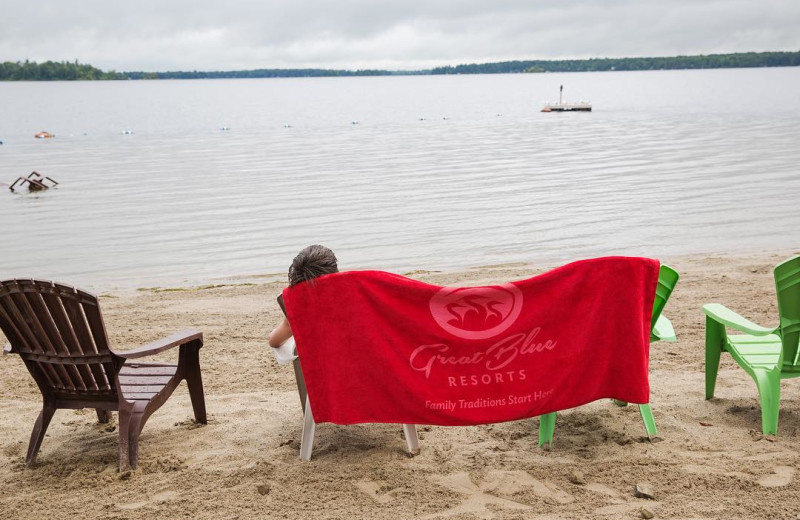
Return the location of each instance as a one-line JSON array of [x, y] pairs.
[[280, 334]]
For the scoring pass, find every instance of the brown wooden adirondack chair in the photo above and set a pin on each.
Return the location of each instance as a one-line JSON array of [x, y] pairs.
[[59, 333]]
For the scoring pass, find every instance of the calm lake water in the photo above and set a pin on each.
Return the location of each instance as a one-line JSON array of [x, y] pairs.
[[439, 172]]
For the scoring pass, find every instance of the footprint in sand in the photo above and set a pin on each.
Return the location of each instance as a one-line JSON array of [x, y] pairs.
[[511, 482], [603, 490], [621, 509], [496, 491], [475, 502], [620, 506], [379, 491], [782, 477], [706, 470], [158, 498]]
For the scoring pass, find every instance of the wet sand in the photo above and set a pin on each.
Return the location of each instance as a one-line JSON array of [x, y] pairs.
[[709, 460]]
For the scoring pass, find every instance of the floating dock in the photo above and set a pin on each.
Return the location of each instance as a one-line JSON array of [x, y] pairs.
[[580, 106]]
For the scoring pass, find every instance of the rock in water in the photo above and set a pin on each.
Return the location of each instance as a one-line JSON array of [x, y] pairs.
[[643, 490]]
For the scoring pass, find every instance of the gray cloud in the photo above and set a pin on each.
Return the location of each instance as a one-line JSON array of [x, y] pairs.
[[398, 34]]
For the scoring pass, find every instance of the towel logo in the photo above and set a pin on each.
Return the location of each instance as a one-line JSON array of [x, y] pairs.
[[476, 312]]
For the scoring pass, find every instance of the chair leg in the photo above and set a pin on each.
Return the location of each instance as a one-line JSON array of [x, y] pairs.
[[309, 427], [39, 429], [124, 438], [103, 416], [769, 390], [715, 338], [301, 383], [194, 381], [648, 419], [410, 433], [136, 423], [547, 426]]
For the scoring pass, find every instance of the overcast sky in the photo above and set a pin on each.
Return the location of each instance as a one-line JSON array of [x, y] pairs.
[[159, 35]]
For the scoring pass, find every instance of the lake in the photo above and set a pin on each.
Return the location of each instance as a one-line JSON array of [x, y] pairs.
[[394, 173]]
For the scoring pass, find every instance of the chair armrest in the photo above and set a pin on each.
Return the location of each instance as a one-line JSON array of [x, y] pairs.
[[725, 316], [7, 349], [173, 340], [663, 330]]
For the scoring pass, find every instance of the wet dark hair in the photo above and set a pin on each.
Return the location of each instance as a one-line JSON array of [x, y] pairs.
[[310, 263]]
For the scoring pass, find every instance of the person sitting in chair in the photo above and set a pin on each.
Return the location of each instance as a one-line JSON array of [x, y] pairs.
[[310, 263]]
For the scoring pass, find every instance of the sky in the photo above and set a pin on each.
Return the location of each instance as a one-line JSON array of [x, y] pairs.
[[161, 35]]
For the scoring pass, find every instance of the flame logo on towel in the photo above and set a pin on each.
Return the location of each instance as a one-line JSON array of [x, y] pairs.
[[476, 312]]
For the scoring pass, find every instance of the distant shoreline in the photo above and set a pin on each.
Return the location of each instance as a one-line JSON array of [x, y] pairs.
[[74, 71]]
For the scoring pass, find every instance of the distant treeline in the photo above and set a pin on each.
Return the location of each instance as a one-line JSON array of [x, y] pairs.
[[712, 61], [53, 71], [257, 73], [50, 70]]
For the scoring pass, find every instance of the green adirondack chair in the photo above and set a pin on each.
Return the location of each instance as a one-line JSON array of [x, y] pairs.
[[767, 354], [660, 330]]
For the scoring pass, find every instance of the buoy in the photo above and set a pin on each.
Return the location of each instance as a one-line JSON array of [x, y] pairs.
[[43, 135]]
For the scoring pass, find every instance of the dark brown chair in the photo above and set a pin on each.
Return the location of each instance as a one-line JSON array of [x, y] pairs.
[[59, 333]]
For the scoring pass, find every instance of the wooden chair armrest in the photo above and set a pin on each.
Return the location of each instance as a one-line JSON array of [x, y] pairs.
[[727, 317], [7, 349], [173, 340]]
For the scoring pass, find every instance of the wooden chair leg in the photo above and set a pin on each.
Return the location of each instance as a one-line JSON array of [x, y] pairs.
[[103, 416], [124, 439], [410, 432], [134, 429], [39, 429], [194, 381], [309, 428]]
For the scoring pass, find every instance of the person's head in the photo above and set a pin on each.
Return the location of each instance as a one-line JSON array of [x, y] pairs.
[[310, 263]]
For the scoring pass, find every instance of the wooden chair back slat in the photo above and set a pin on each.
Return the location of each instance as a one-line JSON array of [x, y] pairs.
[[79, 375], [59, 333], [10, 328], [55, 307], [94, 318], [71, 301], [30, 345], [17, 339]]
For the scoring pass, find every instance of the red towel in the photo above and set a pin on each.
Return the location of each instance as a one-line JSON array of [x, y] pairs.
[[379, 347]]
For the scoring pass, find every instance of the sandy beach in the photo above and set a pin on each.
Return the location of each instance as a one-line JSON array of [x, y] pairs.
[[709, 460]]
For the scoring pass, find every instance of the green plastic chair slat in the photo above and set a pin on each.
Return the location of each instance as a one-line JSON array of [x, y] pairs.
[[755, 341], [767, 355], [660, 330], [787, 278]]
